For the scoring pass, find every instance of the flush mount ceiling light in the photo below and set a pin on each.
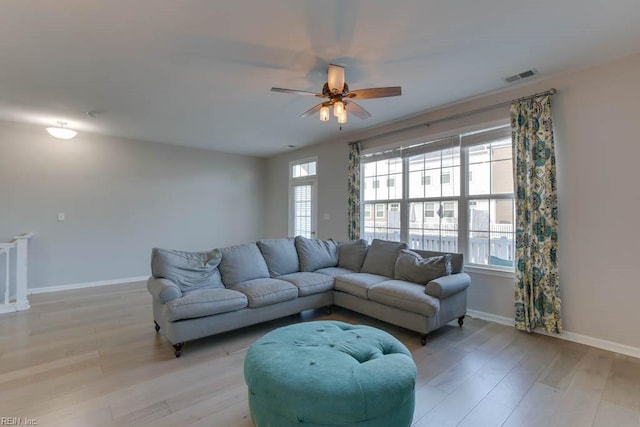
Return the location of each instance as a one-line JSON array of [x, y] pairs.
[[61, 132]]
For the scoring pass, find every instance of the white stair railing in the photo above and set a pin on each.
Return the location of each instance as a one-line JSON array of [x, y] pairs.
[[14, 297]]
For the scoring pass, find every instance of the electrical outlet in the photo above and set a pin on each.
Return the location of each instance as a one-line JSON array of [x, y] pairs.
[[61, 216]]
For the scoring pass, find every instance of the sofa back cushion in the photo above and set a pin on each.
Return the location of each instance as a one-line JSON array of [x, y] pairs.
[[241, 263], [351, 255], [315, 253], [457, 260], [412, 267], [188, 270], [280, 255], [381, 257]]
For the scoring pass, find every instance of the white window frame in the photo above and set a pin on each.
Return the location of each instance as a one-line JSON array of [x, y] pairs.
[[462, 199], [305, 180]]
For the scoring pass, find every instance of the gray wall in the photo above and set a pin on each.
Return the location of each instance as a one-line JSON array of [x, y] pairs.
[[598, 146], [121, 198], [332, 170]]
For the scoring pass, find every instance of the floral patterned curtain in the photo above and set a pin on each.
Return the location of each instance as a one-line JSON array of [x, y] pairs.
[[353, 183], [537, 288]]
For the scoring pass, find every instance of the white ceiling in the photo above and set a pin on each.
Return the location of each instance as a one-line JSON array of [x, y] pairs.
[[199, 73]]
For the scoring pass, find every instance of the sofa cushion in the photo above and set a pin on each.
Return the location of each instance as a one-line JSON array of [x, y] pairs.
[[188, 270], [334, 271], [405, 296], [315, 253], [309, 283], [280, 255], [414, 268], [381, 257], [357, 284], [351, 255], [204, 302], [241, 263], [266, 291]]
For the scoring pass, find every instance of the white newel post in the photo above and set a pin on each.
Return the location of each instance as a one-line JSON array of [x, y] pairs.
[[22, 248]]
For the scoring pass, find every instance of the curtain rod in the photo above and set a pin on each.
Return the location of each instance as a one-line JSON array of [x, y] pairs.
[[551, 91]]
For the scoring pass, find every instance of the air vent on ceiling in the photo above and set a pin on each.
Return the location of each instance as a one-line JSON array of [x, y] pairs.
[[520, 76]]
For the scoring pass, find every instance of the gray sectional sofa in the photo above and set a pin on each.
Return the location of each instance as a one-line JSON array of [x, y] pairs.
[[197, 294]]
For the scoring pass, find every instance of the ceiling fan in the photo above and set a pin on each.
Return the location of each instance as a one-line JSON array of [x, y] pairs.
[[336, 91]]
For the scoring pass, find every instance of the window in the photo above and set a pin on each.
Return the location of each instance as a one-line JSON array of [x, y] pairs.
[[473, 216], [376, 183], [384, 201], [301, 170], [367, 211], [302, 198], [448, 210], [429, 210], [491, 208]]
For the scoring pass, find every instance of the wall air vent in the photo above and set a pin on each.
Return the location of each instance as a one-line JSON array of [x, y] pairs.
[[520, 76]]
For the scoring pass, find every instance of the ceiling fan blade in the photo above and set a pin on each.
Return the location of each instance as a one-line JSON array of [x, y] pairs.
[[375, 92], [296, 92], [335, 78], [312, 110], [356, 109]]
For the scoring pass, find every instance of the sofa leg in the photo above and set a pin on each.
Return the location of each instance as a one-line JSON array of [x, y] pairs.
[[327, 309], [178, 349], [461, 320], [155, 325], [423, 339]]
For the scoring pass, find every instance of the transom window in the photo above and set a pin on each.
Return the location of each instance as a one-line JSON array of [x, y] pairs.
[[468, 208]]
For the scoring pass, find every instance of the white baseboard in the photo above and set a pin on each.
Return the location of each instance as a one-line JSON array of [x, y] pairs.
[[13, 307], [74, 286], [566, 335]]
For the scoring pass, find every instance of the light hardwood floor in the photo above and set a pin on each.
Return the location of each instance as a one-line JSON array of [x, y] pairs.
[[91, 358]]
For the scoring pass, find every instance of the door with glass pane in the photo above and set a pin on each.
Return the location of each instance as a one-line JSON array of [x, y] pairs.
[[302, 199], [303, 220]]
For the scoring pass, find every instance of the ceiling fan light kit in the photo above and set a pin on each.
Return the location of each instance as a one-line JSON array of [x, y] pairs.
[[338, 108], [342, 118], [324, 113], [340, 97]]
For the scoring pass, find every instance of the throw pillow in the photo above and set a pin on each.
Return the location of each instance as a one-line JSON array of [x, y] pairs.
[[280, 255], [351, 255], [241, 263], [188, 270], [381, 257], [413, 268], [315, 254]]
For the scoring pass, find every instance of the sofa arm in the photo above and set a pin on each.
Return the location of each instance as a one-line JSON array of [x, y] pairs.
[[163, 289], [445, 286]]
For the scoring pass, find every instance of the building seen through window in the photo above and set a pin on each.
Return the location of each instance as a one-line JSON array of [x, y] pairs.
[[475, 216]]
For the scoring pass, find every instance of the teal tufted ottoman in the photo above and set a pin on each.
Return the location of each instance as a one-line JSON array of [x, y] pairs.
[[330, 374]]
